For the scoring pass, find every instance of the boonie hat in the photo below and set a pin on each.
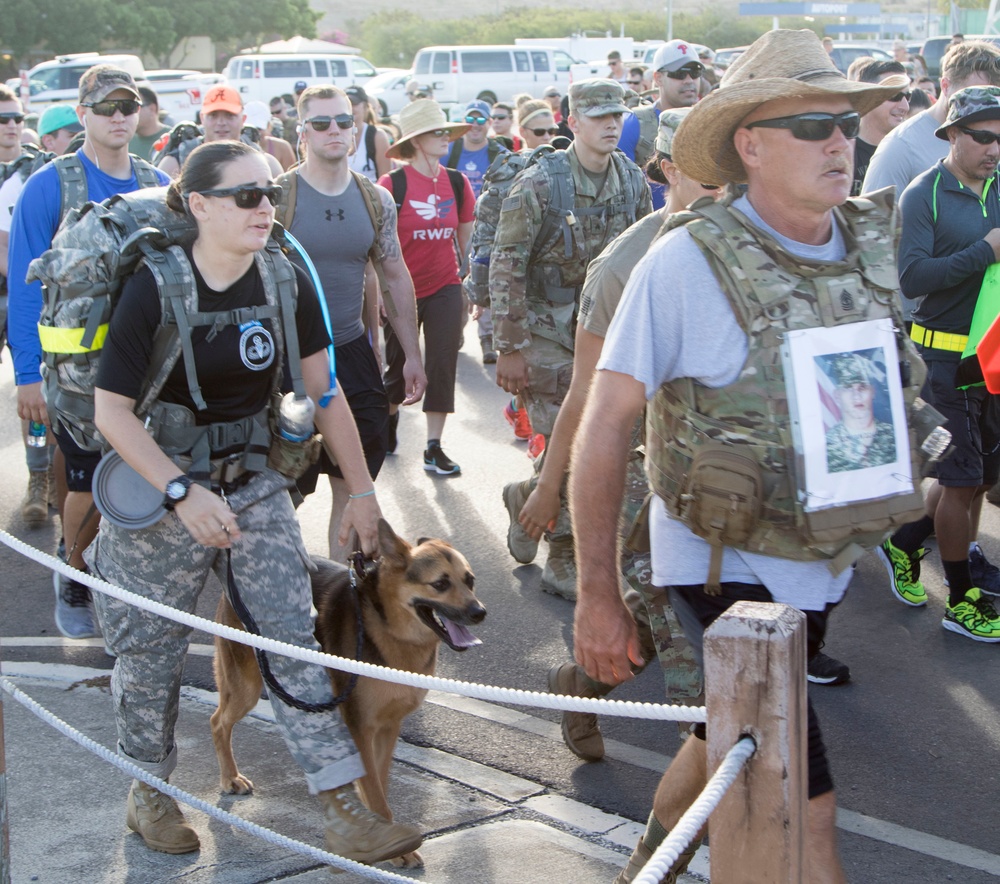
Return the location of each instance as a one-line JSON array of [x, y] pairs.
[[780, 64], [420, 117], [56, 117], [596, 97], [479, 105], [258, 114], [100, 81], [222, 98], [356, 94], [670, 120], [971, 105], [675, 55]]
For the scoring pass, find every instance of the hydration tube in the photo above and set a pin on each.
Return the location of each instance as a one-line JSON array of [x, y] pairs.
[[329, 394]]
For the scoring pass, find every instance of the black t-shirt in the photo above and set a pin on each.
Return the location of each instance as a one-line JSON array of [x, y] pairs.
[[235, 368], [863, 152]]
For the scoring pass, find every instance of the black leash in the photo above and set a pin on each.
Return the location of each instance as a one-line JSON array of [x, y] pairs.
[[361, 570]]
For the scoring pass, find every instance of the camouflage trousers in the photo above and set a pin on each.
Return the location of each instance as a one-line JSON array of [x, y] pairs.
[[271, 570]]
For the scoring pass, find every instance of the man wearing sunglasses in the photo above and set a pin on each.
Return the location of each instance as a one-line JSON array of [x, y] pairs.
[[881, 121], [108, 111], [676, 77], [951, 236], [691, 344]]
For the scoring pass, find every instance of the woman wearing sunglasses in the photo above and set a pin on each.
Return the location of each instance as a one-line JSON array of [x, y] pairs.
[[435, 208], [240, 522], [536, 123]]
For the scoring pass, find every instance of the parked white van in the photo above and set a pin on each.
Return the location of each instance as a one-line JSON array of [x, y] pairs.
[[460, 74], [262, 77]]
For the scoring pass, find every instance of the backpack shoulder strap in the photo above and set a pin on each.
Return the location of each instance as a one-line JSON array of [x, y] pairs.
[[494, 149], [289, 182], [562, 197], [72, 183], [370, 144], [376, 213], [278, 276], [454, 154], [145, 173], [458, 187], [398, 179]]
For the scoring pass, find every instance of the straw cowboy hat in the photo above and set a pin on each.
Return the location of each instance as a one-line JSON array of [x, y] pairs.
[[420, 117], [780, 64]]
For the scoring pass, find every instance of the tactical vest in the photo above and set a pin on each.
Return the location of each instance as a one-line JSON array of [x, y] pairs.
[[649, 122], [772, 292]]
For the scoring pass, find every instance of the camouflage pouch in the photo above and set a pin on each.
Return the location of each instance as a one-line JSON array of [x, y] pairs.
[[291, 459], [722, 501], [637, 539]]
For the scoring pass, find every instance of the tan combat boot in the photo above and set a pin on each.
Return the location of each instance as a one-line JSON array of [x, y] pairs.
[[521, 546], [559, 573], [354, 831], [159, 821], [580, 730], [642, 855], [35, 506]]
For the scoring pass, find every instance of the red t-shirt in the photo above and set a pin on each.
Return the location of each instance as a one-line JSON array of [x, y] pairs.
[[428, 224]]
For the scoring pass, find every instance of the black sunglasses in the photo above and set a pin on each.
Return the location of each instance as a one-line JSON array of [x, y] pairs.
[[635, 82], [814, 126], [900, 96], [247, 196], [694, 71], [437, 133], [12, 118], [981, 136], [107, 108], [540, 132], [321, 124], [500, 117]]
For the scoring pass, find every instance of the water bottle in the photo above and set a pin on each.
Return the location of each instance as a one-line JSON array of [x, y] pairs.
[[936, 443], [36, 435], [295, 418]]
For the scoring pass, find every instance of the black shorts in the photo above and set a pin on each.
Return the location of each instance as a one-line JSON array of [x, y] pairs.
[[80, 464], [974, 423], [359, 380], [696, 610]]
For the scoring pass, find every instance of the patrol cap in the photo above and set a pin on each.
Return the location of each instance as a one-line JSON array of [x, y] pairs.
[[222, 98], [357, 95], [101, 80], [675, 55], [56, 117], [667, 128], [847, 369], [971, 105], [596, 97]]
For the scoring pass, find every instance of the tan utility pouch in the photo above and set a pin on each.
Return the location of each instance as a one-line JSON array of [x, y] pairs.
[[722, 501], [637, 540], [292, 459]]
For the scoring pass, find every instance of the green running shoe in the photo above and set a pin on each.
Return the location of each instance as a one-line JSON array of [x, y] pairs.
[[974, 617], [904, 573]]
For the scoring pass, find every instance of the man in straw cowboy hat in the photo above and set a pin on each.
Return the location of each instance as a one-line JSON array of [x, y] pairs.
[[696, 341]]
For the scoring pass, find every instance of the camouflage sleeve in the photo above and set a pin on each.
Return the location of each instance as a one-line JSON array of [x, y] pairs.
[[645, 202], [520, 219]]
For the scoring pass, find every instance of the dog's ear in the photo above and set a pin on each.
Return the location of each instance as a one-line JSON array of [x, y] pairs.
[[422, 540], [394, 550]]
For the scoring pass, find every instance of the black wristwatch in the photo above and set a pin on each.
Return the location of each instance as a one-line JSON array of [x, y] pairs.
[[177, 490]]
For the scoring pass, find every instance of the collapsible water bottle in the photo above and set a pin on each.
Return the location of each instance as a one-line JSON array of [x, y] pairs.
[[295, 418], [36, 435]]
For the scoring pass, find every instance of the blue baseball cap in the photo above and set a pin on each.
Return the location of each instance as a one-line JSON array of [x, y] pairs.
[[56, 117], [479, 105]]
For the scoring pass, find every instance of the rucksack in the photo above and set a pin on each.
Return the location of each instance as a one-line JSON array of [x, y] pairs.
[[178, 143], [497, 182], [31, 160], [95, 251]]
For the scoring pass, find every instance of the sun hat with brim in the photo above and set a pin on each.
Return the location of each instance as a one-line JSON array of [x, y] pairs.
[[420, 117], [971, 105], [781, 64]]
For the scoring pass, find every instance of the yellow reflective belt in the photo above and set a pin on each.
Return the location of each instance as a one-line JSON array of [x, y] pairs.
[[67, 340], [936, 340]]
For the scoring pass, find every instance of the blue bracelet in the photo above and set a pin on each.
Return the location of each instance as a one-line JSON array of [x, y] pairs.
[[363, 494]]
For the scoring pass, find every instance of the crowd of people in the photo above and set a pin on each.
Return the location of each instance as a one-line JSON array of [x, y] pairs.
[[644, 245]]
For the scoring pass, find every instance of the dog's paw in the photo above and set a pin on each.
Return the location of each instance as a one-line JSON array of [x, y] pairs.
[[237, 785], [409, 861]]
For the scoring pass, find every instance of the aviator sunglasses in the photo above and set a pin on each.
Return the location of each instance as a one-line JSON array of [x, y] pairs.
[[321, 124], [247, 196], [11, 118], [981, 136], [107, 108], [814, 126]]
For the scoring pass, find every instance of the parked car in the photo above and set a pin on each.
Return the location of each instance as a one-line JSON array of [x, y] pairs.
[[180, 92], [261, 77], [725, 57], [387, 91], [459, 74], [58, 81], [935, 47], [845, 53]]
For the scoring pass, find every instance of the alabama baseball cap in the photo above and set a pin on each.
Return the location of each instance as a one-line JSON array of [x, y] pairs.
[[222, 98], [101, 80], [596, 97], [357, 94], [56, 117], [674, 55]]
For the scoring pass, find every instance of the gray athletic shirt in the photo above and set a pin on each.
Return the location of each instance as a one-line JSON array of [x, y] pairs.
[[674, 322], [336, 232]]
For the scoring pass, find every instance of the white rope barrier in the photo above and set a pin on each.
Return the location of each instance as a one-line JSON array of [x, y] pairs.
[[330, 859], [690, 824], [559, 702]]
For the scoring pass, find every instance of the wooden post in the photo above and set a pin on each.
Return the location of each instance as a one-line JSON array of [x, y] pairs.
[[755, 681], [4, 817]]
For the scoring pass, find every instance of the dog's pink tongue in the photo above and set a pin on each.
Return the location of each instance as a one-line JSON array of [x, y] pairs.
[[460, 636]]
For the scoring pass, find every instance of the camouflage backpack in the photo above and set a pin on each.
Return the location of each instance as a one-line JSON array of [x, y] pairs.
[[95, 251], [178, 143], [497, 182]]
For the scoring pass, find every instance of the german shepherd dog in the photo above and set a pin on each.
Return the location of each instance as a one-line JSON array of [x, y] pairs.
[[417, 597]]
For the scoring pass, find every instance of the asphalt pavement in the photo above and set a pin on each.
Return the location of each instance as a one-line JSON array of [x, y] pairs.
[[912, 738]]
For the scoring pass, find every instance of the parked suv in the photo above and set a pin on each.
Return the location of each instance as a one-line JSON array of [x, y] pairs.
[[58, 81]]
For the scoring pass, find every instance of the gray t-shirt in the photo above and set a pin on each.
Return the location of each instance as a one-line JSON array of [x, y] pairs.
[[909, 149], [337, 233], [673, 322]]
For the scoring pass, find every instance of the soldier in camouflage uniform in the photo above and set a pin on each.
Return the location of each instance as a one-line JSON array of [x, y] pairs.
[[240, 522], [858, 440], [693, 342], [559, 215]]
